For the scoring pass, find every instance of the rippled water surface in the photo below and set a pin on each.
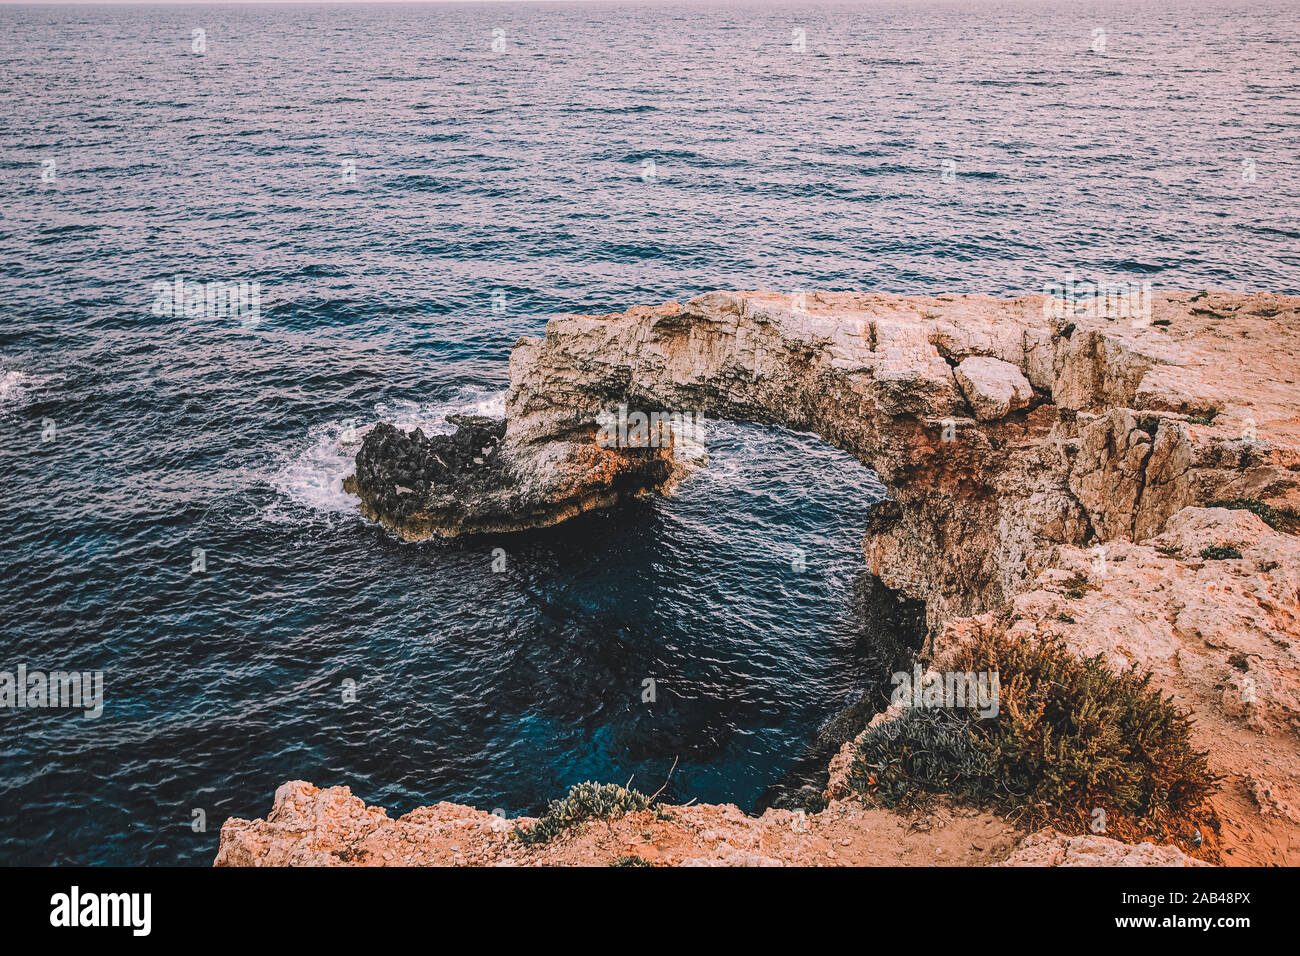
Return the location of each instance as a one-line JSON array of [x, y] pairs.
[[608, 155]]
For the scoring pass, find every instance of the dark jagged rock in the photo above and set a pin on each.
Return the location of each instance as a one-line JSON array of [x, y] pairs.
[[400, 475], [468, 482]]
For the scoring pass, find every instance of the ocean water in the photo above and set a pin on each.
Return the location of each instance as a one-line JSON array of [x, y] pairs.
[[410, 200]]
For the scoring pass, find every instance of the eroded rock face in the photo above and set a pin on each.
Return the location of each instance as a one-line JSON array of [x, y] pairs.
[[999, 429], [993, 388], [1050, 848]]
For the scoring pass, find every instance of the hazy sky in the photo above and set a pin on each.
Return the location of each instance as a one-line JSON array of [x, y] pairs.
[[346, 2], [782, 3]]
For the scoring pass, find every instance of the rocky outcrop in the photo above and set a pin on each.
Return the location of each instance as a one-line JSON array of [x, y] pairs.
[[993, 388], [1049, 848], [1132, 486], [465, 483]]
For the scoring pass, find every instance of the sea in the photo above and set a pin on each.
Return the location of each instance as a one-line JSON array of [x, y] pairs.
[[408, 189]]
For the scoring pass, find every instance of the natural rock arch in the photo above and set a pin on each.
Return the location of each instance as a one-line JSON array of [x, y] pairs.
[[1001, 428]]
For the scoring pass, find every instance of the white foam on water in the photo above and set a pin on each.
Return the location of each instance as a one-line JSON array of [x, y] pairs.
[[430, 417], [15, 388], [311, 475]]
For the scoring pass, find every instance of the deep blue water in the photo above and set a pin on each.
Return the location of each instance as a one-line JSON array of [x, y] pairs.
[[525, 171]]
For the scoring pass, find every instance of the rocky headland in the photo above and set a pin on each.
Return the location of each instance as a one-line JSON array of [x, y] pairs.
[[1129, 485]]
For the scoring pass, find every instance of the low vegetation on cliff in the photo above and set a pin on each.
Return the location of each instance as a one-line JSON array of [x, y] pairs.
[[583, 802], [1074, 745]]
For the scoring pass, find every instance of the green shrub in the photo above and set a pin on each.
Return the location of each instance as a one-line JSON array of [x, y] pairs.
[[1077, 587], [1070, 737], [926, 750], [1204, 418], [631, 861], [1283, 521], [1220, 552], [584, 801]]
